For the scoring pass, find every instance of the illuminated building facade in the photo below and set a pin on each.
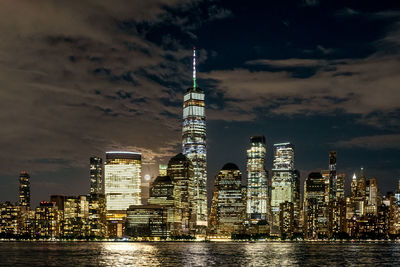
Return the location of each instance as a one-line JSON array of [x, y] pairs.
[[283, 183], [47, 220], [97, 215], [96, 175], [194, 146], [162, 194], [8, 220], [339, 186], [372, 196], [286, 219], [316, 208], [257, 183], [180, 169], [24, 190], [122, 176], [229, 202], [147, 222]]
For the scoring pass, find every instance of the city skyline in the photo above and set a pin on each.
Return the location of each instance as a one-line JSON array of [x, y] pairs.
[[115, 68]]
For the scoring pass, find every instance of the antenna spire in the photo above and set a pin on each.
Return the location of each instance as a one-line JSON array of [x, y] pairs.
[[194, 68]]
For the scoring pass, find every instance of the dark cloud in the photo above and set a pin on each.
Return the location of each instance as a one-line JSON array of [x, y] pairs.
[[376, 142]]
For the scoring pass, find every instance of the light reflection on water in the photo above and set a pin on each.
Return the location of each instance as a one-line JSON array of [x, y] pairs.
[[198, 254]]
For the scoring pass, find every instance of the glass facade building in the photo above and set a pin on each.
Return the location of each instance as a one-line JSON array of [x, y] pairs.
[[257, 183], [24, 190], [228, 201], [194, 146], [180, 169], [96, 175], [122, 177], [283, 183]]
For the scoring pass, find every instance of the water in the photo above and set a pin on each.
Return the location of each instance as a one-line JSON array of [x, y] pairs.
[[198, 254]]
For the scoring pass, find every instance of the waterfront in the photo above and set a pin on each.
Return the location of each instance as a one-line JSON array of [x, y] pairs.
[[198, 254]]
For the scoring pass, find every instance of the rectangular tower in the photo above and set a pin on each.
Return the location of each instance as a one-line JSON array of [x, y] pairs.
[[96, 175], [283, 183], [194, 146], [257, 184], [24, 190], [122, 176]]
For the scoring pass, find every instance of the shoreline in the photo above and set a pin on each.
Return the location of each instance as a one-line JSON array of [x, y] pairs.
[[199, 241]]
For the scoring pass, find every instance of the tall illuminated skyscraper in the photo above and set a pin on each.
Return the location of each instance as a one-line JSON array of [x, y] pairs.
[[96, 175], [257, 184], [283, 184], [24, 190], [122, 176], [194, 145]]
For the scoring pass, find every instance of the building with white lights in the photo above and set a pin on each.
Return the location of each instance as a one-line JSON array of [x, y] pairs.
[[257, 183], [194, 147], [284, 183], [122, 177]]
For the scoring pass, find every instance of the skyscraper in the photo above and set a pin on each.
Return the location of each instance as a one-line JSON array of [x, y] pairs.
[[180, 169], [283, 184], [24, 190], [316, 208], [96, 175], [257, 184], [194, 145], [122, 173], [229, 206], [332, 176]]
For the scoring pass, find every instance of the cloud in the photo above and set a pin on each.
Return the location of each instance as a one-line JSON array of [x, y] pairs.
[[78, 79], [285, 63], [367, 87], [376, 142]]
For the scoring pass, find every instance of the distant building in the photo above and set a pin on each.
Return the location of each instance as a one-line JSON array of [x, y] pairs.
[[47, 221], [122, 178], [316, 209], [24, 190], [229, 203], [9, 215], [257, 181], [97, 215], [147, 221], [162, 194], [283, 184], [96, 175], [162, 169], [332, 181], [181, 171], [286, 219]]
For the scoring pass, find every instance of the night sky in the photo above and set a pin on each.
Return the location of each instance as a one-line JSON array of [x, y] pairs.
[[78, 78]]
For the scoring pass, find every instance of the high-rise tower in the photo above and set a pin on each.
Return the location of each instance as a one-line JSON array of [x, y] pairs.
[[257, 186], [194, 145], [122, 177], [96, 175], [24, 189], [284, 182]]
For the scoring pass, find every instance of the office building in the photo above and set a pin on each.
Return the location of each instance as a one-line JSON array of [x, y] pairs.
[[24, 189], [229, 204], [194, 147], [283, 184], [181, 171], [122, 176], [257, 181], [96, 175]]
